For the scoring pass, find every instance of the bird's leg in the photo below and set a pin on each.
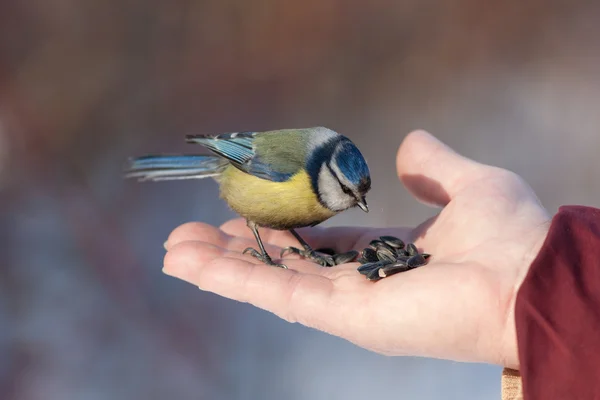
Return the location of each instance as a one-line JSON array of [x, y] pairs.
[[323, 260], [262, 255]]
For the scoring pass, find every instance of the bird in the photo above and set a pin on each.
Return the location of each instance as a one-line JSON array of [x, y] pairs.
[[282, 179]]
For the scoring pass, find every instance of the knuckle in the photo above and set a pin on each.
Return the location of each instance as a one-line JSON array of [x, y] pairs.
[[507, 178]]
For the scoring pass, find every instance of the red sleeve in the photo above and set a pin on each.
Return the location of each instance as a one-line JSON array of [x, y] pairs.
[[557, 311]]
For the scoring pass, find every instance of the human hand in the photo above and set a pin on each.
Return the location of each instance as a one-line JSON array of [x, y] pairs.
[[459, 306]]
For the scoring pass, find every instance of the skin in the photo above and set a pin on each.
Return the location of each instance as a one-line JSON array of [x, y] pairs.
[[460, 306]]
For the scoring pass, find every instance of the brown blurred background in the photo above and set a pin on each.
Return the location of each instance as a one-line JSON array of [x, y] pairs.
[[85, 312]]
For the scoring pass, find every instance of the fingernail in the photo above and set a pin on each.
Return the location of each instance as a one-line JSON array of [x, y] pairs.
[[165, 245]]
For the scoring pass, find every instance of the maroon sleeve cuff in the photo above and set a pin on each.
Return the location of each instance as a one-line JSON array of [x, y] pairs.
[[557, 311]]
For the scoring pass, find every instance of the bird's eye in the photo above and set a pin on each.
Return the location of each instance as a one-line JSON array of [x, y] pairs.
[[346, 190]]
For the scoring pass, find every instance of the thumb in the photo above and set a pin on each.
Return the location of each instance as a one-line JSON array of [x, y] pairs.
[[432, 171]]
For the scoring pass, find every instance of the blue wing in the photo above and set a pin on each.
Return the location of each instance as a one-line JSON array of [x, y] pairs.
[[238, 148], [235, 147], [168, 167]]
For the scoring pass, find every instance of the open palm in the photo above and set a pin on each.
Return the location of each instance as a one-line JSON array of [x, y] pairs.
[[459, 306]]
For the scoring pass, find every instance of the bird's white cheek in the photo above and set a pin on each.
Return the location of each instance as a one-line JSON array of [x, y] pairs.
[[331, 192]]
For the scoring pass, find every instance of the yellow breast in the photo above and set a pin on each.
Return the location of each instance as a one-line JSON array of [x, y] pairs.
[[278, 205]]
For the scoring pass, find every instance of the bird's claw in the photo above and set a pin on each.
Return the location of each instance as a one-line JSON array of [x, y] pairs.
[[290, 249], [328, 259], [265, 258], [324, 261]]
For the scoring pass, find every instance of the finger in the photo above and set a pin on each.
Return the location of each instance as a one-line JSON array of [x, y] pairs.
[[201, 232], [202, 253], [205, 233], [205, 252], [197, 231], [294, 296], [432, 171], [236, 236], [339, 238], [238, 227]]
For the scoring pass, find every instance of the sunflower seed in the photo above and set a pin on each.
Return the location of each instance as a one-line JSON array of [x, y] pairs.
[[386, 255], [403, 259], [412, 249], [373, 243], [382, 245], [392, 269], [416, 261], [392, 241], [368, 267], [370, 255], [374, 275], [402, 253], [346, 257]]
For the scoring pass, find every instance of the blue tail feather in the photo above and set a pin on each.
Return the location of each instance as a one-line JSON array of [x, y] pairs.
[[170, 167]]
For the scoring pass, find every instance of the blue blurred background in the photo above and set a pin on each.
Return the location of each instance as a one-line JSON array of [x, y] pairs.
[[85, 311]]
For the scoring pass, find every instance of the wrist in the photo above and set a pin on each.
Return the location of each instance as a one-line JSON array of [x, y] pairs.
[[509, 354]]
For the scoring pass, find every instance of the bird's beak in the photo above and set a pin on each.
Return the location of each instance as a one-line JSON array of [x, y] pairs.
[[363, 205]]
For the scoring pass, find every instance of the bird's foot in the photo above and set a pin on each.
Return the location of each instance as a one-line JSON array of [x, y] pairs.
[[328, 259], [265, 258]]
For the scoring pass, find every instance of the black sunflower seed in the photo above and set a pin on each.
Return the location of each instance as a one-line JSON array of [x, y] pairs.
[[416, 261], [382, 245], [392, 241], [403, 259], [369, 254], [412, 249], [373, 243], [346, 257], [374, 275], [368, 267], [386, 255], [392, 269]]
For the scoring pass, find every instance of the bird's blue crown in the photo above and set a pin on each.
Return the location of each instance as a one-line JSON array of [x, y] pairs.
[[351, 163], [348, 158]]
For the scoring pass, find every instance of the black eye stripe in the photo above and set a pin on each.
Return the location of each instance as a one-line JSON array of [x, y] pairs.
[[345, 189]]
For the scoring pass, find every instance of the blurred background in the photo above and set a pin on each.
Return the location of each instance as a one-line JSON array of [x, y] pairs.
[[85, 311]]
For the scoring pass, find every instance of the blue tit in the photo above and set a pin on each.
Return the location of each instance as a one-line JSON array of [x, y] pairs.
[[281, 179]]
